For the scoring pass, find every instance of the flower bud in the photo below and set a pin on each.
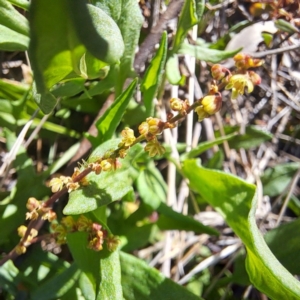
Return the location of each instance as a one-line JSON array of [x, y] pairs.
[[20, 249], [244, 61], [176, 104], [22, 230], [212, 103], [144, 128], [218, 72], [106, 165], [128, 136], [155, 125]]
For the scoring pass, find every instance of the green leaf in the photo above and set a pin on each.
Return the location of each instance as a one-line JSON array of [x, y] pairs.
[[216, 161], [97, 31], [172, 70], [112, 7], [102, 269], [140, 282], [12, 41], [252, 138], [110, 276], [286, 26], [187, 19], [236, 200], [151, 186], [58, 285], [206, 54], [202, 147], [276, 179], [55, 57], [20, 3], [112, 117], [12, 19], [152, 78], [138, 237], [127, 14], [130, 24], [12, 90], [286, 234], [107, 186], [171, 220], [9, 277]]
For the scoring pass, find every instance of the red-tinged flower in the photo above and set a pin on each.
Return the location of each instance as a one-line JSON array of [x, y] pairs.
[[218, 72], [254, 77], [95, 167], [96, 244], [245, 61]]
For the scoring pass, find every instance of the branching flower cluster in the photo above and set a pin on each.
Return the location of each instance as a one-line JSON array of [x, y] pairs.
[[243, 77]]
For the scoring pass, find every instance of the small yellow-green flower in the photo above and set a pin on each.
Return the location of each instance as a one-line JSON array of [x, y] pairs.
[[237, 84], [128, 136], [154, 148]]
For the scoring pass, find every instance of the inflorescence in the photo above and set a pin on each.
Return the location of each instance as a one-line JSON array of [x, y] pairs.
[[242, 78]]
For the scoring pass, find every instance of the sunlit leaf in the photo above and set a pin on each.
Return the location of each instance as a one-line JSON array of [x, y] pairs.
[[153, 75], [141, 282], [236, 200]]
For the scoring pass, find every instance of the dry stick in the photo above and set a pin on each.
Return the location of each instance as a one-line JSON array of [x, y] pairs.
[[13, 152], [275, 51], [274, 85], [212, 260], [36, 130], [218, 276], [171, 139], [153, 38]]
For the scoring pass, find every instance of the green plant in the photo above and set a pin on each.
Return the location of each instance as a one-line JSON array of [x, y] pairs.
[[79, 54]]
